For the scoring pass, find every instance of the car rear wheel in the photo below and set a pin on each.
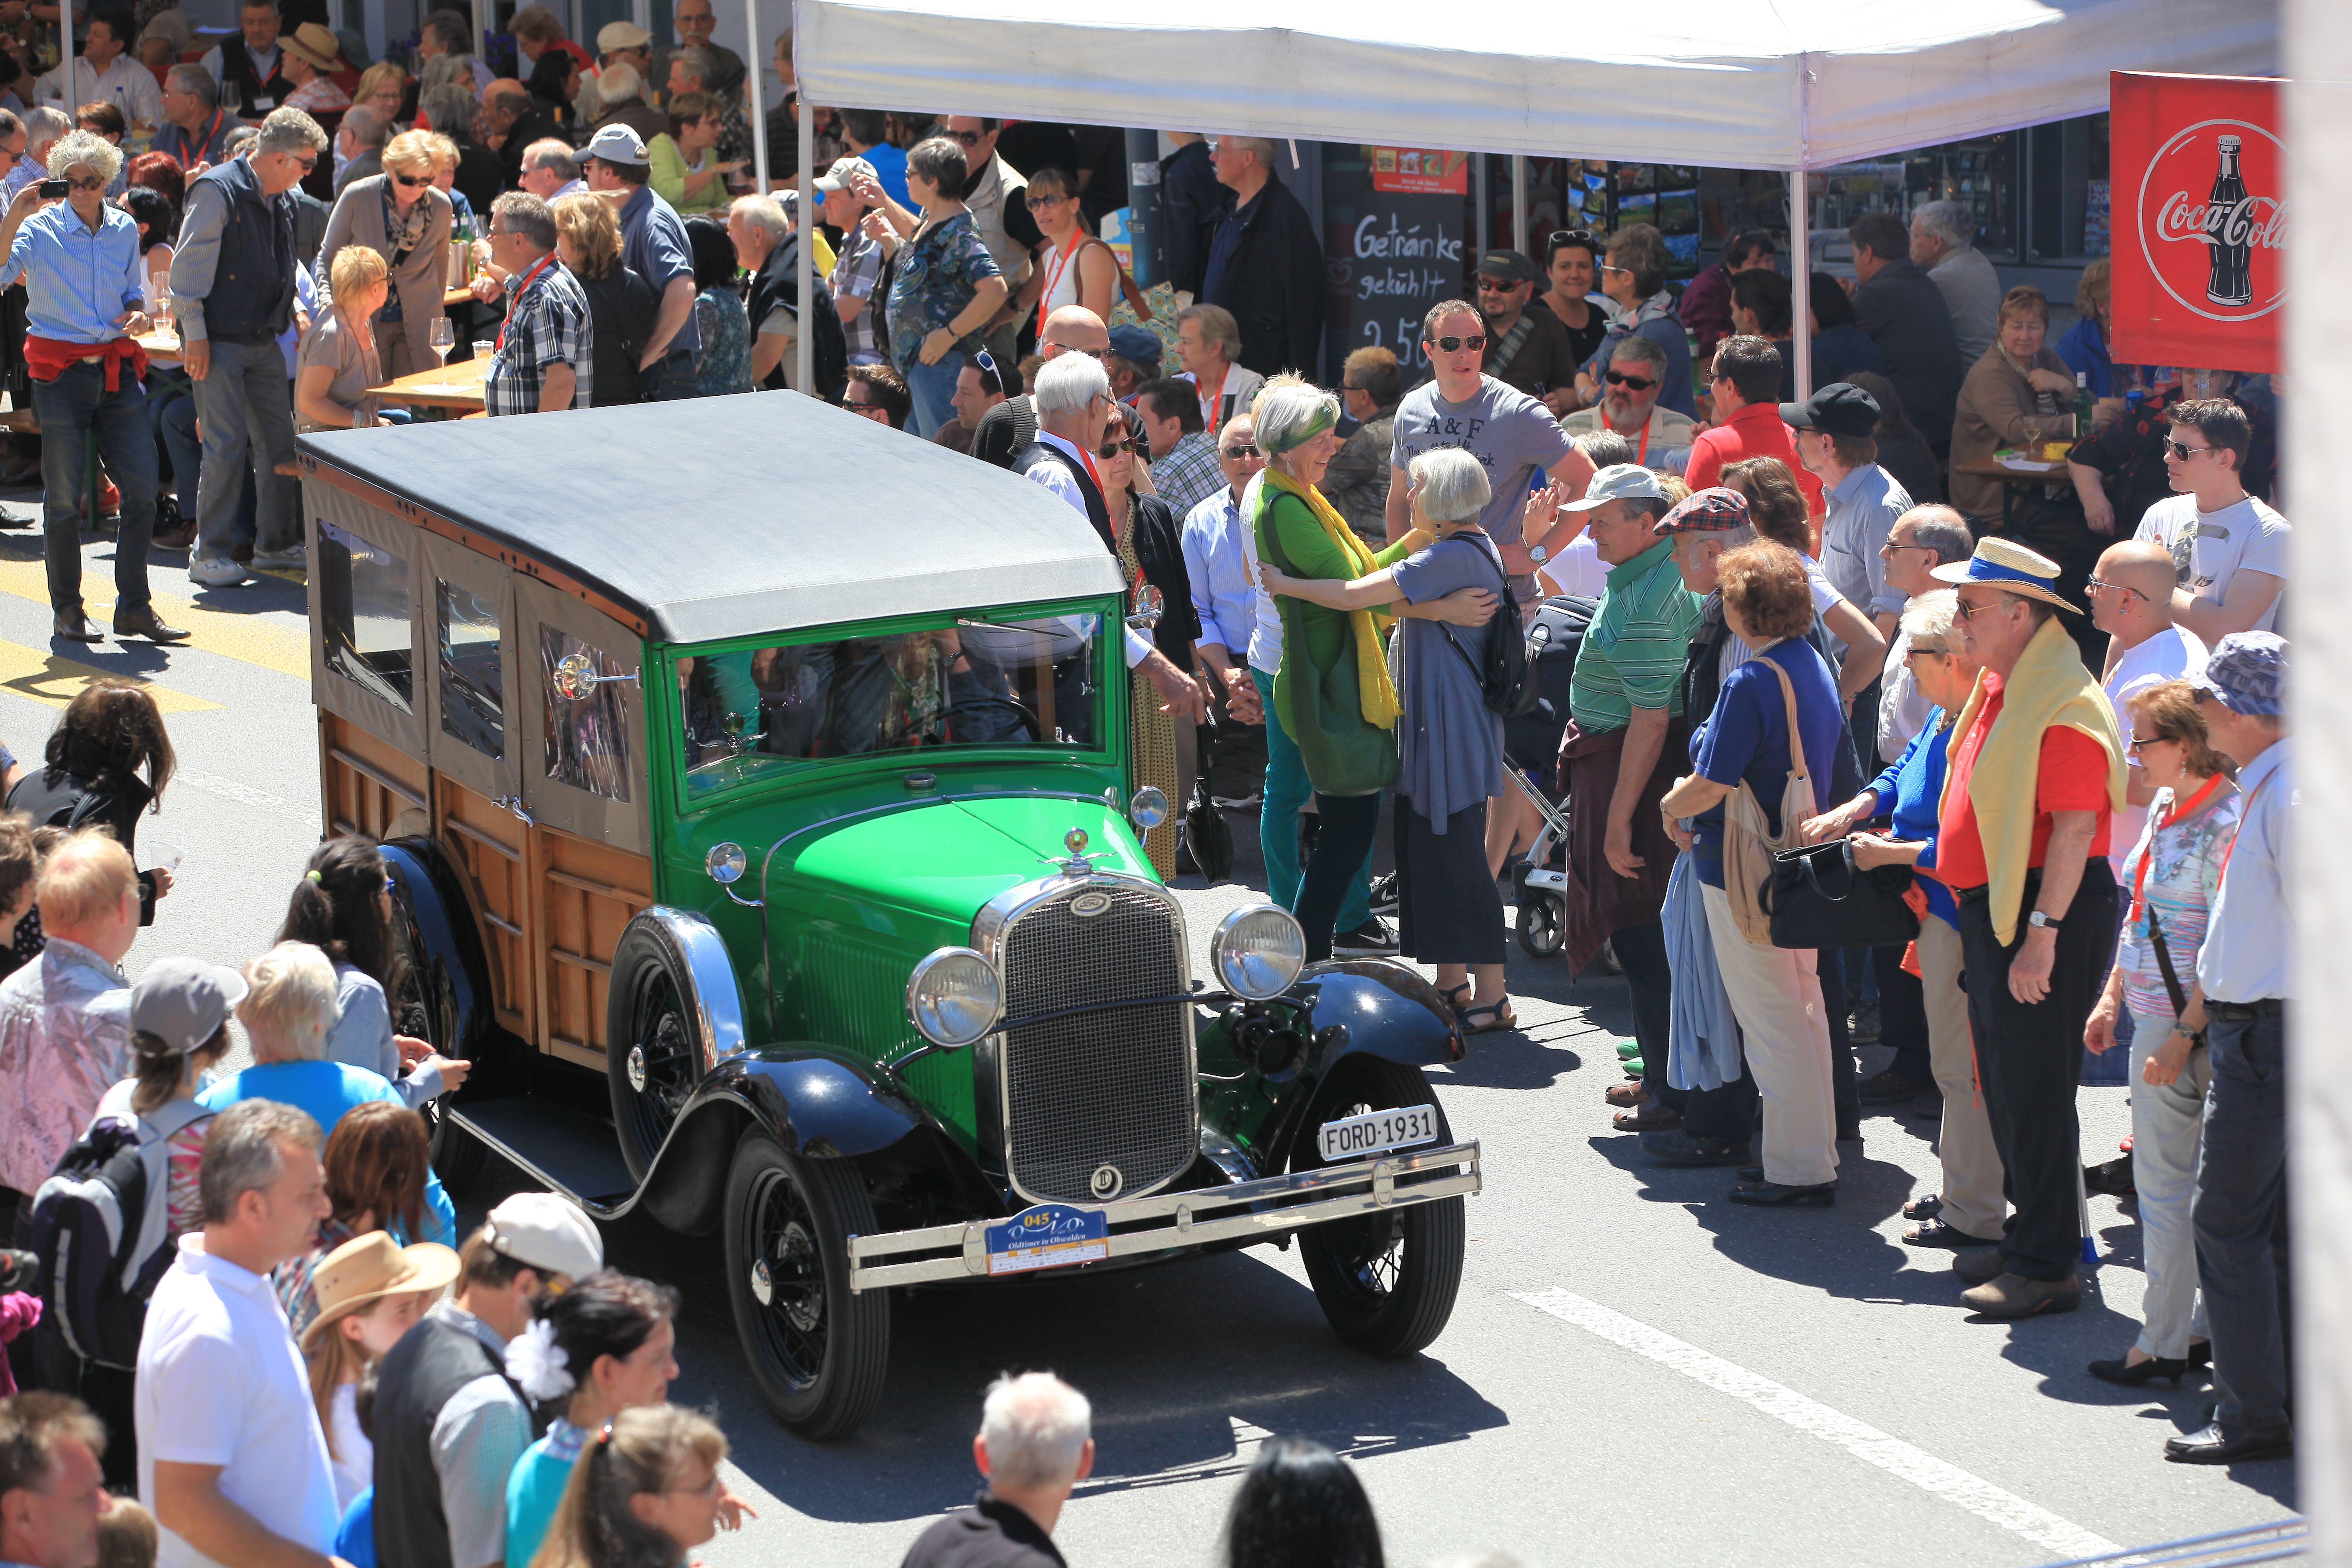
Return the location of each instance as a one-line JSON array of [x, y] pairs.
[[456, 1153], [1385, 1281], [817, 1351], [654, 1064]]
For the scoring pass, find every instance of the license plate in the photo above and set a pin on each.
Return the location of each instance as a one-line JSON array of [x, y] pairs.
[[1378, 1130], [1050, 1235]]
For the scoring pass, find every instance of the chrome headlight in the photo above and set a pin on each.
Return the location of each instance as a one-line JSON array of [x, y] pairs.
[[954, 996], [1258, 951], [1148, 809]]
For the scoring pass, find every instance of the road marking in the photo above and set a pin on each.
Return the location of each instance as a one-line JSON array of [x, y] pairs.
[[1922, 1469], [48, 679], [247, 638], [245, 795]]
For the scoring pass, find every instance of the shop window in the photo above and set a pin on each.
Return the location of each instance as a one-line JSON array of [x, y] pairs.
[[365, 594], [587, 740], [473, 707]]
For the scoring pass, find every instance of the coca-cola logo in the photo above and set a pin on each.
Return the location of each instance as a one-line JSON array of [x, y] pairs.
[[2213, 219]]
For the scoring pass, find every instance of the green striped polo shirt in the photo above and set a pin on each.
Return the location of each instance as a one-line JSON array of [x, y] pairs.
[[1633, 651]]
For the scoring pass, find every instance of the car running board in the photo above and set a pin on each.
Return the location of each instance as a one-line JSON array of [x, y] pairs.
[[574, 1154]]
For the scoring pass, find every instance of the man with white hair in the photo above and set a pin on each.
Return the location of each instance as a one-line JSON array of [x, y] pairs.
[[655, 246], [1943, 242], [550, 172], [1265, 263], [767, 245], [1035, 1445], [1074, 407], [620, 100], [42, 129]]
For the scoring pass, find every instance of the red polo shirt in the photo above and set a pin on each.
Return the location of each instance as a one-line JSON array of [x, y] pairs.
[[2071, 776], [1755, 431]]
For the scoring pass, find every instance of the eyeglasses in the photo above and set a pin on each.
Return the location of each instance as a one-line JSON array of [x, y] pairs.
[[1918, 650], [414, 182], [2139, 741], [2183, 451], [1627, 271], [2123, 587], [1237, 451], [1890, 547], [1631, 383], [308, 164], [1453, 345], [865, 407], [708, 1489], [1039, 204], [1969, 612]]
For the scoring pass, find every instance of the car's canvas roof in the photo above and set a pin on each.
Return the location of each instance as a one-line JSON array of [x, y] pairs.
[[720, 517]]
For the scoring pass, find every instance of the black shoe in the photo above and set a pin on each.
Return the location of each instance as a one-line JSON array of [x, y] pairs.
[[1849, 1127], [2200, 1353], [1679, 1148], [1862, 1026], [1891, 1088], [1928, 1105], [1371, 939], [1751, 1174], [2215, 1445], [144, 622], [75, 626], [2131, 1374], [1980, 1267], [1775, 1195], [2114, 1178]]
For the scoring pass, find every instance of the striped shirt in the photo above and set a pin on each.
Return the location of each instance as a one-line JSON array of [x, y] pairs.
[[1633, 651]]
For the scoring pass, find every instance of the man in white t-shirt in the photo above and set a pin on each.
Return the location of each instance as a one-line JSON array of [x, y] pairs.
[[232, 1460], [2132, 603], [2230, 549]]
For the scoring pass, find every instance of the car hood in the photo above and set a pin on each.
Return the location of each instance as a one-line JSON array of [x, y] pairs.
[[949, 856]]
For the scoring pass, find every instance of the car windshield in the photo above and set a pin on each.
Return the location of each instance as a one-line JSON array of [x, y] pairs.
[[971, 682]]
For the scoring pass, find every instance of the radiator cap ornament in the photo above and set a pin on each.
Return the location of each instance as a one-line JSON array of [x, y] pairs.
[[1107, 1181]]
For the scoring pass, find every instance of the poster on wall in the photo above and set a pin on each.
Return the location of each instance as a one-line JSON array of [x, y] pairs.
[[1416, 170], [2197, 205]]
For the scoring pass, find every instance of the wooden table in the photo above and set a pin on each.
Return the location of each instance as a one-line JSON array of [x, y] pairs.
[[161, 348], [2013, 480], [454, 388]]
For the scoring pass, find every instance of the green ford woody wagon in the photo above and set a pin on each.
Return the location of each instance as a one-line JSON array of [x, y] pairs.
[[754, 780]]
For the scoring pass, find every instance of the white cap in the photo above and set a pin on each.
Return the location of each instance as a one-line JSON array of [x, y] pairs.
[[547, 1233]]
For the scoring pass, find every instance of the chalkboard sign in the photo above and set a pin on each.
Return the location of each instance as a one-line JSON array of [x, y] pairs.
[[1396, 222]]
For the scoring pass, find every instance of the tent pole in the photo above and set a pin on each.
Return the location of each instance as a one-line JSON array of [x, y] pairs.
[[755, 87], [1520, 205], [804, 342], [1486, 204], [1801, 279]]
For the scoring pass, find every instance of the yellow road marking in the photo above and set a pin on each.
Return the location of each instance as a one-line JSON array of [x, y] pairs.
[[245, 638], [46, 677]]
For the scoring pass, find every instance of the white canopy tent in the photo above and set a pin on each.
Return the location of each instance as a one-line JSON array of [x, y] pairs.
[[1763, 84]]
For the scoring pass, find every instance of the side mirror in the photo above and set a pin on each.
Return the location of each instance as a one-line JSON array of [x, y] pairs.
[[1150, 605], [575, 677]]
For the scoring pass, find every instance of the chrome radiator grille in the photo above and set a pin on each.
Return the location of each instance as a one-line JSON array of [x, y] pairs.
[[1095, 1090]]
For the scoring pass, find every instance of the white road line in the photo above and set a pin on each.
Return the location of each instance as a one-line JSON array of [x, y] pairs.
[[1923, 1470], [245, 795]]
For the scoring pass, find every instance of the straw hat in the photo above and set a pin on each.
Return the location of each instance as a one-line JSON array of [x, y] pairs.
[[2012, 568], [367, 1268], [314, 43]]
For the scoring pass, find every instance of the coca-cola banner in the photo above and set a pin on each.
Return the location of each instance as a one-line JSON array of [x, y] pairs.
[[2199, 181]]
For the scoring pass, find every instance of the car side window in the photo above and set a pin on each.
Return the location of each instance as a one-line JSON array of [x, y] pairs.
[[587, 740], [365, 593], [473, 708]]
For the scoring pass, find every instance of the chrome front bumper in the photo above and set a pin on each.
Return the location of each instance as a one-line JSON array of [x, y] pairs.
[[1171, 1221]]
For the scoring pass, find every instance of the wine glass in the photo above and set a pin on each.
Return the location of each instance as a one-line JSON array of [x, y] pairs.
[[443, 338]]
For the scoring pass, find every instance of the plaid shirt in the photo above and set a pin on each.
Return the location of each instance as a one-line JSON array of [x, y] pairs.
[[856, 272], [546, 324], [1188, 474]]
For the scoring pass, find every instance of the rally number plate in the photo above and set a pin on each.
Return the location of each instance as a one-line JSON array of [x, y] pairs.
[[1049, 1235], [1376, 1129]]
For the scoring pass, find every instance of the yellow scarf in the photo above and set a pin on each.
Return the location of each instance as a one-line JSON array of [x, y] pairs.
[[1377, 694], [2049, 687]]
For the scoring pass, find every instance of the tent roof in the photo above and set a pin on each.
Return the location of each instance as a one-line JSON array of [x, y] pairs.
[[1768, 84]]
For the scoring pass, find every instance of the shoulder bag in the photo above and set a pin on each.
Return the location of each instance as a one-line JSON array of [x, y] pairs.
[[1748, 840]]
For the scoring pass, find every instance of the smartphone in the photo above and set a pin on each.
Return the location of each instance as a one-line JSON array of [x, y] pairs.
[[55, 190]]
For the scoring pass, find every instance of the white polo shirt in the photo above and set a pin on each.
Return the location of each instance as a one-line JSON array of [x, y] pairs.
[[221, 1382]]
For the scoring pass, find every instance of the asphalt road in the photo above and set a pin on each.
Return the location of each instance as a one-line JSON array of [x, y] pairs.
[[1637, 1373]]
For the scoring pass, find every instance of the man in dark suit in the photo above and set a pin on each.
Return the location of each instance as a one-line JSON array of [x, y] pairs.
[[1905, 314]]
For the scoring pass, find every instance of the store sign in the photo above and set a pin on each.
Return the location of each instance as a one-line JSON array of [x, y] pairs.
[[2200, 220], [1420, 172]]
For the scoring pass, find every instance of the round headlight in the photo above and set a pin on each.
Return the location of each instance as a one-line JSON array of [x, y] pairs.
[[1148, 809], [726, 863], [1258, 951], [954, 996]]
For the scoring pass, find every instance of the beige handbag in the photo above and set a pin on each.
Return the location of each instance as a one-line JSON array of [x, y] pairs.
[[1748, 839]]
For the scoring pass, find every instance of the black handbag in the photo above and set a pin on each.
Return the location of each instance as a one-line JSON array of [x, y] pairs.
[[1818, 897], [1207, 834]]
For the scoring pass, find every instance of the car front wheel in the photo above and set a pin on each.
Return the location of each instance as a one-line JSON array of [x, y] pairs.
[[1386, 1281], [818, 1352]]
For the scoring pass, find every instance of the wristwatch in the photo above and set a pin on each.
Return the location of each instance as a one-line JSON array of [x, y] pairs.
[[1539, 554], [2041, 921]]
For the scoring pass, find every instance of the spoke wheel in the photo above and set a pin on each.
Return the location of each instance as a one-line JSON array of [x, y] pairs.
[[654, 1063], [817, 1352], [456, 1153], [1386, 1281]]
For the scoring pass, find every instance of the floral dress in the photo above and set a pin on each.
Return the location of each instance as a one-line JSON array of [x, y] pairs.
[[724, 365], [935, 277]]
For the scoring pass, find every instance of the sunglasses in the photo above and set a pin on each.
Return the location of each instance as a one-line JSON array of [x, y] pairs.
[[1039, 204], [1563, 237], [1112, 448], [2099, 583], [867, 407], [413, 182], [1920, 651], [970, 139], [1969, 612], [1632, 382], [2182, 451], [2139, 741], [1606, 267], [1453, 345], [1497, 285], [1237, 451], [306, 164], [91, 184]]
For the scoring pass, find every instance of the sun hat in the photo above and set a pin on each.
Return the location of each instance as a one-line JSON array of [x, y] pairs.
[[1619, 481], [316, 43], [2247, 673], [613, 37], [2013, 568], [367, 1268]]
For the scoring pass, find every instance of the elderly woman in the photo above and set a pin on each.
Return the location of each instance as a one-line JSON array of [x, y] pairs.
[[1968, 1212], [1449, 748], [2173, 873], [2020, 393], [1208, 339], [1747, 744], [382, 87], [945, 287], [621, 305], [685, 172], [1634, 281], [338, 361], [1146, 537], [400, 216]]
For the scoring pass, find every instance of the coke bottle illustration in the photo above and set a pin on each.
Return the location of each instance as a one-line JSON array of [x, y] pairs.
[[2229, 233]]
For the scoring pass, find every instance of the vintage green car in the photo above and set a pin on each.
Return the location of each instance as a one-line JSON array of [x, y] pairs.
[[754, 780]]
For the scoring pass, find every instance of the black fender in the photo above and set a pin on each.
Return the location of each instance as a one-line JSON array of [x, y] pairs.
[[450, 967], [1346, 1009]]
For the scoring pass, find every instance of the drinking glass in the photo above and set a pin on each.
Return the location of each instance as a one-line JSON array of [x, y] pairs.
[[443, 337], [484, 348]]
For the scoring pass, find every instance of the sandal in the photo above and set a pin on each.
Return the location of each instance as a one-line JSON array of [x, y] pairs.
[[1935, 1233], [1927, 1207], [1498, 1017], [1625, 1095], [1451, 994], [1653, 1117]]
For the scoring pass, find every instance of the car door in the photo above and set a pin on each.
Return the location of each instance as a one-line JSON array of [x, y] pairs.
[[364, 593]]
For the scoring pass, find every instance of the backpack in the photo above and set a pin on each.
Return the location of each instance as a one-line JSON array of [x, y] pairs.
[[1502, 665], [98, 1227]]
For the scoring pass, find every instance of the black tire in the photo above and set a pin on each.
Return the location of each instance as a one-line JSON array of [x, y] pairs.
[[1542, 924], [652, 1064], [456, 1153], [1386, 1282], [818, 1352]]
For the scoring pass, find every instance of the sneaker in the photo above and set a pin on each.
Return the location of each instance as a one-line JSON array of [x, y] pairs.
[[1384, 894], [1371, 939], [1862, 1028], [294, 560], [216, 571], [1236, 803], [1628, 1049]]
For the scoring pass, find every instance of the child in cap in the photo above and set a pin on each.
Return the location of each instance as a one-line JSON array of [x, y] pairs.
[[179, 1029], [370, 1291]]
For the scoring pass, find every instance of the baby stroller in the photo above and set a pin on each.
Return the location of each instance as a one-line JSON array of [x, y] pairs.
[[1531, 745]]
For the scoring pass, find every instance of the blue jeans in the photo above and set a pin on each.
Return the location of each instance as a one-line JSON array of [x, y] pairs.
[[2239, 1217], [73, 407], [171, 406], [669, 378], [932, 386], [246, 405], [1286, 795]]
